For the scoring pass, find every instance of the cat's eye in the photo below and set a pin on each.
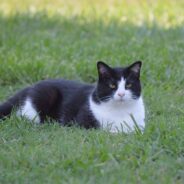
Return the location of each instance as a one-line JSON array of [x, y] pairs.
[[128, 85], [112, 86]]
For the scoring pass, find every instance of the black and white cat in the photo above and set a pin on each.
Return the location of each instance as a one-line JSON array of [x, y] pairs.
[[114, 103]]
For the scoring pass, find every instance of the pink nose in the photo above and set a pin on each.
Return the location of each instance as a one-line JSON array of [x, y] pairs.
[[121, 94]]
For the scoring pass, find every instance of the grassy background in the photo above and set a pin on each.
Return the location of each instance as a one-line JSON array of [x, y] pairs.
[[52, 39]]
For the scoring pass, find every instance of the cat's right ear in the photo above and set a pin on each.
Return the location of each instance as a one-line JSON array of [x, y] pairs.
[[103, 69]]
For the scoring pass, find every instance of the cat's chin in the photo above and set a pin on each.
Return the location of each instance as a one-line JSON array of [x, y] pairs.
[[123, 101], [118, 101]]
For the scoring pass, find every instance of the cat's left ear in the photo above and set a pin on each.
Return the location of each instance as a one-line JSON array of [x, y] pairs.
[[135, 68], [104, 70]]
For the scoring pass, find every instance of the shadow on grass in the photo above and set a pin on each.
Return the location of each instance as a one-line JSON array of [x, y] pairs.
[[38, 47]]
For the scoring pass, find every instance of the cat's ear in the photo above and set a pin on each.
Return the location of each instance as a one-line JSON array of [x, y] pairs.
[[135, 68], [103, 69]]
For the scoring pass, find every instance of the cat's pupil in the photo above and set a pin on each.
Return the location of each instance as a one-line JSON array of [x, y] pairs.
[[128, 85], [112, 86]]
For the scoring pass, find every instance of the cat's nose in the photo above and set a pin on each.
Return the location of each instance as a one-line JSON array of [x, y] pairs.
[[121, 94]]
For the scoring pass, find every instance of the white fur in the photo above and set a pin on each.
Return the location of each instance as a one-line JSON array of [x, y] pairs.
[[116, 113], [121, 89], [28, 111]]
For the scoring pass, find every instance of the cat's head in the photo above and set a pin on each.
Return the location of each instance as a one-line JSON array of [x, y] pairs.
[[118, 84]]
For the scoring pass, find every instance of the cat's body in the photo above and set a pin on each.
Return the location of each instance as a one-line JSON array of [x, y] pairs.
[[107, 104]]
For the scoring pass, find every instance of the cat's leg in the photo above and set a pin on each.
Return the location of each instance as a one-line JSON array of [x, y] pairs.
[[13, 103], [36, 103], [29, 111], [44, 101]]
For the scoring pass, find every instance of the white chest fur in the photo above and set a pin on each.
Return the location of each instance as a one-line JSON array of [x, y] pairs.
[[116, 116]]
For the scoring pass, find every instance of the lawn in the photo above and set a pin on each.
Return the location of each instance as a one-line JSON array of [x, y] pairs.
[[42, 39]]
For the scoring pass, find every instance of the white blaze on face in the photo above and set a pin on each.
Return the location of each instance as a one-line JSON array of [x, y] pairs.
[[121, 93]]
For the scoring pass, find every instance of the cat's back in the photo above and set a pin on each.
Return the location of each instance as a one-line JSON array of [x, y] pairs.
[[63, 87], [54, 98]]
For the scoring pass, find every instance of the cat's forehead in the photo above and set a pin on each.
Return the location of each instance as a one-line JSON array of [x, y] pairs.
[[120, 73]]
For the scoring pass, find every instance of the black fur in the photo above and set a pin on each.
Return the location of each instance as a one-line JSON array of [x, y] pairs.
[[109, 75], [68, 101]]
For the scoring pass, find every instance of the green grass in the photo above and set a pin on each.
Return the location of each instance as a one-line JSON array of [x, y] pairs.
[[44, 39]]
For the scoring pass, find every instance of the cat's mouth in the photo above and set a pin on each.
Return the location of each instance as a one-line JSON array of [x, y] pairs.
[[119, 100]]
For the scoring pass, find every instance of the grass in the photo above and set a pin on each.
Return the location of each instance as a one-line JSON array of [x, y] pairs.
[[40, 39]]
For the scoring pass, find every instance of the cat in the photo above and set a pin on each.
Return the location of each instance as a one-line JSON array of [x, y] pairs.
[[115, 103]]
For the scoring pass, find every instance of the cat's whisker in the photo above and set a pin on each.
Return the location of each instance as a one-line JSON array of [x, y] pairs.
[[105, 98]]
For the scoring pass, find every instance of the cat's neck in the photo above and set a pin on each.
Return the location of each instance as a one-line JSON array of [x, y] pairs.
[[117, 113]]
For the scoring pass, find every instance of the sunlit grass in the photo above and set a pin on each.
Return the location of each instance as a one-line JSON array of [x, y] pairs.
[[165, 13]]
